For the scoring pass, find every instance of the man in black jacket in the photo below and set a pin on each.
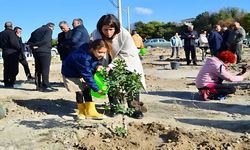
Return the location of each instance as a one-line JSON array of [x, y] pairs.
[[11, 50], [64, 40], [40, 44], [22, 57], [189, 44]]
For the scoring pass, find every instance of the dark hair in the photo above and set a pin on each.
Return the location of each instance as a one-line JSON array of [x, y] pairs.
[[97, 44], [79, 20], [62, 22], [50, 24], [108, 20], [133, 32], [227, 56], [16, 28]]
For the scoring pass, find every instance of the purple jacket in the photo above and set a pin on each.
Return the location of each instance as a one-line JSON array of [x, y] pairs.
[[210, 72]]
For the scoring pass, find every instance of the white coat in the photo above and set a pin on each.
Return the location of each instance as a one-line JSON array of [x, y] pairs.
[[123, 47]]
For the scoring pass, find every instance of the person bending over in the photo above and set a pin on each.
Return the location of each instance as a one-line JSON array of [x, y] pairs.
[[77, 70], [213, 72]]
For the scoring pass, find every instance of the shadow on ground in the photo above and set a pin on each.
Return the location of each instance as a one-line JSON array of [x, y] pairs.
[[47, 123], [186, 95], [235, 126], [192, 99], [60, 107], [216, 106]]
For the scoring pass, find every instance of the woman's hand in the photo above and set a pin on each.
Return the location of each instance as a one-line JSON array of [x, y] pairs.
[[245, 75], [108, 69]]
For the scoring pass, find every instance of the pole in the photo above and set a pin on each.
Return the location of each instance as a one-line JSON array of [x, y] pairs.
[[120, 11], [128, 15]]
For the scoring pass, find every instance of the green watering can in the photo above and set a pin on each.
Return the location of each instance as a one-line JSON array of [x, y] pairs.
[[143, 51], [102, 85]]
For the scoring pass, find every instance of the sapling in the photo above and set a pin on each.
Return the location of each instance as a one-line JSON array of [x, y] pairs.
[[123, 87]]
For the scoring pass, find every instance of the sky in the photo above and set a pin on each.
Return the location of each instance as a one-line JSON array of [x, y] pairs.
[[31, 14]]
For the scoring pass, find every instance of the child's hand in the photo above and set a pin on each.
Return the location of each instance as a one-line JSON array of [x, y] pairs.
[[100, 92], [99, 68]]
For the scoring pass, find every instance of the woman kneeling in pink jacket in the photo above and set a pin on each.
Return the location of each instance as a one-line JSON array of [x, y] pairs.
[[213, 72]]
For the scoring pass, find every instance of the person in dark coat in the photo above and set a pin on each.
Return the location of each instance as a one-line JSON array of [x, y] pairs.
[[215, 40], [64, 40], [40, 44], [11, 50], [80, 35], [189, 44], [22, 57]]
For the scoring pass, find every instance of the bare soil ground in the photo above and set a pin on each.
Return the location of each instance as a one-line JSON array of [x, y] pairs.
[[176, 119]]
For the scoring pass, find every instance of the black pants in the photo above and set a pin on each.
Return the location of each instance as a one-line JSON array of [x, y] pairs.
[[223, 89], [42, 68], [23, 61], [84, 95], [219, 90], [10, 63], [192, 50]]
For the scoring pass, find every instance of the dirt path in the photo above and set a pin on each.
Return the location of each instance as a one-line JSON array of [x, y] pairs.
[[176, 118]]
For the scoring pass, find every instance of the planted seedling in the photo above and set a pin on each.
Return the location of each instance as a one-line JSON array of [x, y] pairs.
[[123, 86]]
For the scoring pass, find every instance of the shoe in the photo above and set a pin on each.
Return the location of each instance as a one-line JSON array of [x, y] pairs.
[[194, 63], [220, 97], [137, 115], [9, 86], [188, 62], [17, 85], [30, 78], [48, 89], [91, 112], [204, 94]]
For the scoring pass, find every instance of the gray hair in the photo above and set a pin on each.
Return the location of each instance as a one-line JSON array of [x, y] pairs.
[[62, 22], [8, 25], [79, 20]]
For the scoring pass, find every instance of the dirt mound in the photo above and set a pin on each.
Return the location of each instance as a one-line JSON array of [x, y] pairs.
[[158, 136]]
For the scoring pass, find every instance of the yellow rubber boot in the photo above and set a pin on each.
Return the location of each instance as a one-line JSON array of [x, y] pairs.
[[91, 112], [81, 111]]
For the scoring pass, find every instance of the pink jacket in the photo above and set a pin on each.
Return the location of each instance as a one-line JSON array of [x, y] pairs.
[[210, 72]]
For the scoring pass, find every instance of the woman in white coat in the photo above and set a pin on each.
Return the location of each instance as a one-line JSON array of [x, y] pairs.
[[122, 47]]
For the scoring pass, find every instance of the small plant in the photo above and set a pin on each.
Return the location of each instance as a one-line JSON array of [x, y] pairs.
[[123, 87], [120, 131]]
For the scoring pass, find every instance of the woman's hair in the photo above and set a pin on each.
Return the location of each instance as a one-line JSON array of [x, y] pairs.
[[97, 44], [227, 56], [108, 20]]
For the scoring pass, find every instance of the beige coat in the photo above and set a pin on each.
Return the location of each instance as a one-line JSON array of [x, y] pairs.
[[123, 47]]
